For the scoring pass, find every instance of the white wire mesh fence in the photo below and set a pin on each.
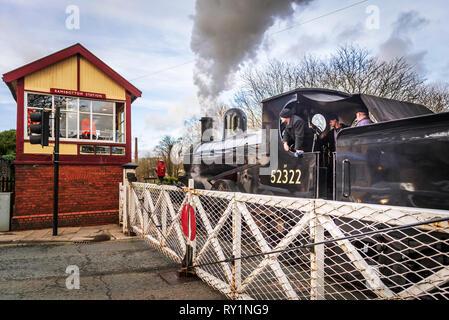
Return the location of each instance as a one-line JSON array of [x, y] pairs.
[[154, 213], [263, 247]]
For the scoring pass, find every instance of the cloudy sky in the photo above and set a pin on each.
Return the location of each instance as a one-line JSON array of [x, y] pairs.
[[149, 44]]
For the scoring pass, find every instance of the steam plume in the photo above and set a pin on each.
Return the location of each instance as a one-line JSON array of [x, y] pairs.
[[228, 32]]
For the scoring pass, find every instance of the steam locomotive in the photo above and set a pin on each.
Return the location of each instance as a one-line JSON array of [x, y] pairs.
[[401, 159]]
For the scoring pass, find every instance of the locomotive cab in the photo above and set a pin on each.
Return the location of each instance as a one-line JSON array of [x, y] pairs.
[[387, 162], [311, 174]]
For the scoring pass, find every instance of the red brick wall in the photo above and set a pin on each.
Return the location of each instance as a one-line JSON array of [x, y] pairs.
[[87, 193], [79, 219]]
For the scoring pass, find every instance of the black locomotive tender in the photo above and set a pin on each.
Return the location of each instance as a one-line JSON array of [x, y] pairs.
[[401, 159]]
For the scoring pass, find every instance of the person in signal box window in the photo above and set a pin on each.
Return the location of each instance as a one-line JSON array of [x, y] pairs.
[[160, 170], [86, 129]]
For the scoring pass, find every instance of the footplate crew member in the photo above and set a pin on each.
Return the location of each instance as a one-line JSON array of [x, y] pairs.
[[294, 131]]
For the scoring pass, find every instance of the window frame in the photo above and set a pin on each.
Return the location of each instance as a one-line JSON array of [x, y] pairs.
[[119, 128], [78, 139]]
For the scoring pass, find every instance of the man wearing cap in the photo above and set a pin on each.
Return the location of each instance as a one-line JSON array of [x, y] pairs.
[[362, 118], [294, 130]]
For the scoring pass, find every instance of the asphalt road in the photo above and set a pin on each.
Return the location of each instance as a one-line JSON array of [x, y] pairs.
[[107, 270]]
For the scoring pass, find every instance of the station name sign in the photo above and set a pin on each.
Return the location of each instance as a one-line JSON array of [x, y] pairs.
[[78, 93]]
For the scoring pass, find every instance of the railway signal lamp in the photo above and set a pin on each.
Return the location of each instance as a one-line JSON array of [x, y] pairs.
[[41, 128]]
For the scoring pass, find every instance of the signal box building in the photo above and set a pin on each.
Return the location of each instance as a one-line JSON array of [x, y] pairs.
[[95, 139]]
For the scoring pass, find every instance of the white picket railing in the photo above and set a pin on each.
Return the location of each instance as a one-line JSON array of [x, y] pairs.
[[263, 247]]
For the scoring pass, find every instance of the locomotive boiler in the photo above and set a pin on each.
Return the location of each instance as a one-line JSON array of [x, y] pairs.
[[401, 159]]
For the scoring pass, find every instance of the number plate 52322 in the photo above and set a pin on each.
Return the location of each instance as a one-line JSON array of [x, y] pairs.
[[286, 176]]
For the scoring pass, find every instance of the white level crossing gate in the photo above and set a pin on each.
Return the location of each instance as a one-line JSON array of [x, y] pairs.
[[263, 247]]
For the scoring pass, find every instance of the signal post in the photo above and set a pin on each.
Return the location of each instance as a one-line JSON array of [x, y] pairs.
[[40, 133]]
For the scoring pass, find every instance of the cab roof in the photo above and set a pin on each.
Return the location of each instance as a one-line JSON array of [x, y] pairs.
[[344, 104]]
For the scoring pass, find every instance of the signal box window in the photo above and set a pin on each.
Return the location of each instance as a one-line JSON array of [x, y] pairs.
[[120, 122], [38, 102], [118, 151], [68, 124], [103, 150], [87, 149], [86, 128], [81, 119]]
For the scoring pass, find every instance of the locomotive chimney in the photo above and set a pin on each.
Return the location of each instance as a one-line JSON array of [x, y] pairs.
[[207, 123], [234, 122]]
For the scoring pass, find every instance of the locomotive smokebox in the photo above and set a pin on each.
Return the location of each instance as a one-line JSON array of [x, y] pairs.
[[207, 124]]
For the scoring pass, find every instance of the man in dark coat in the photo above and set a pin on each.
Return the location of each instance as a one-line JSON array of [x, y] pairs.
[[362, 118], [329, 138], [294, 131]]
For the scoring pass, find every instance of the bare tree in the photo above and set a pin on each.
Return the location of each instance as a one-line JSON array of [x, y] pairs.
[[350, 69], [146, 167], [435, 96], [275, 78], [164, 150]]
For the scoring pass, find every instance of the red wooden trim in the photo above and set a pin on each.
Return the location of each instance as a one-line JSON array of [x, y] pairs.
[[49, 92], [63, 54], [112, 144], [128, 138], [41, 63], [44, 156], [81, 159], [12, 89], [70, 163], [20, 116], [78, 72]]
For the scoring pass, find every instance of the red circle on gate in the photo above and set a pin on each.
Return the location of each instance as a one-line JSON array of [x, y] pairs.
[[187, 211]]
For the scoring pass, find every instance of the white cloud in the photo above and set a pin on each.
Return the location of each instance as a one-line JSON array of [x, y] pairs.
[[142, 37], [175, 115], [400, 43]]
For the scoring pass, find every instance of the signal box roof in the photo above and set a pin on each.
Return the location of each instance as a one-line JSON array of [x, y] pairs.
[[53, 58]]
